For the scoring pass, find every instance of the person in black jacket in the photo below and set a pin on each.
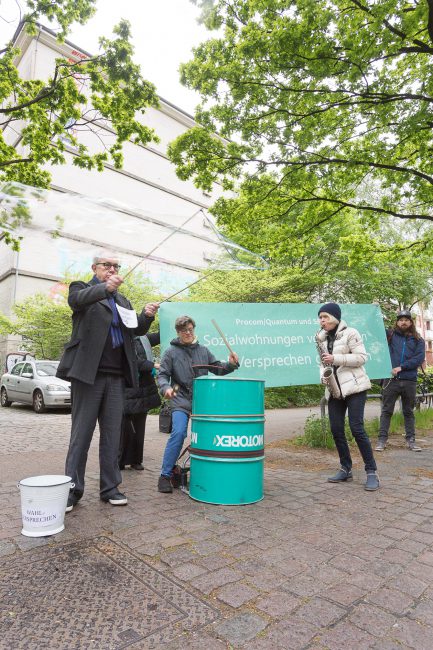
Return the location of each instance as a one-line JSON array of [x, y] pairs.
[[138, 401], [407, 351], [98, 361], [183, 361]]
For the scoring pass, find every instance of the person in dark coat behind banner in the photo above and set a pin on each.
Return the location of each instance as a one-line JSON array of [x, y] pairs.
[[98, 361], [138, 401]]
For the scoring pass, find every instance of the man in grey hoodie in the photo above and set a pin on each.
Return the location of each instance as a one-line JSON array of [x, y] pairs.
[[181, 363]]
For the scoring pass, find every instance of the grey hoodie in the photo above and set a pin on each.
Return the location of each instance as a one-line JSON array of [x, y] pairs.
[[179, 366]]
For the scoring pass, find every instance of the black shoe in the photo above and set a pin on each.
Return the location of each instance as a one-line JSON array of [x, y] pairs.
[[164, 484], [372, 483], [411, 444], [381, 445], [116, 499], [341, 476], [73, 499], [138, 466]]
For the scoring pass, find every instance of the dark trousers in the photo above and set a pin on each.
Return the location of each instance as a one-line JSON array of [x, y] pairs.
[[132, 439], [354, 405], [394, 389], [99, 402]]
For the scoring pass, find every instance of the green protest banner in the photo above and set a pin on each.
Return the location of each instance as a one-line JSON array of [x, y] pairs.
[[275, 342]]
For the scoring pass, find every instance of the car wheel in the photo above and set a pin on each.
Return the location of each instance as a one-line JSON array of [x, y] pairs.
[[4, 397], [38, 402]]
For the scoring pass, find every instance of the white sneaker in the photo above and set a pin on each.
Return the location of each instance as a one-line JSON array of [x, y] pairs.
[[117, 499]]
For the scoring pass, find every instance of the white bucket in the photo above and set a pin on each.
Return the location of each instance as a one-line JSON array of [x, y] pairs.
[[43, 504]]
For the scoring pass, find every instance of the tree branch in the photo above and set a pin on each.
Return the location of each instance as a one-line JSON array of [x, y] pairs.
[[15, 162], [39, 97], [366, 208], [430, 19], [49, 90]]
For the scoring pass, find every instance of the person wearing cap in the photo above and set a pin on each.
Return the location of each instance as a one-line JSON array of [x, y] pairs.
[[407, 351], [181, 363], [347, 356]]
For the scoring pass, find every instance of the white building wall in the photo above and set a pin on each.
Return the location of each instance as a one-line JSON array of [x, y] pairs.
[[147, 183]]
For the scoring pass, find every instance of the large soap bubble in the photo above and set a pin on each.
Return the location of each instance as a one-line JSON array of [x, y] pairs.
[[66, 229]]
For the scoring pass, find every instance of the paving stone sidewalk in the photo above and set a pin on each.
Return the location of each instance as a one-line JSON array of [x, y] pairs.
[[313, 566]]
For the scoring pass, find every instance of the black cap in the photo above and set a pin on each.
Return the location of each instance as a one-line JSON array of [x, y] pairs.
[[331, 308], [404, 313]]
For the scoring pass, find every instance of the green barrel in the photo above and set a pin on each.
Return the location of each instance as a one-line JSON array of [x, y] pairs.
[[227, 440]]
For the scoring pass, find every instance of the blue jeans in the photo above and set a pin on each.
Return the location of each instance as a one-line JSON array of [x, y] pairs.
[[354, 405], [174, 444]]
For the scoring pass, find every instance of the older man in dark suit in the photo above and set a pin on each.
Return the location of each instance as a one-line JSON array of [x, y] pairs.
[[99, 360]]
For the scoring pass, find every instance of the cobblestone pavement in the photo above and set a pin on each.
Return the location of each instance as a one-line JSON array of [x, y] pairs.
[[313, 566]]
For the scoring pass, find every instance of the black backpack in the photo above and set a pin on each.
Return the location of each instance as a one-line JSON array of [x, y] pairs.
[[165, 418]]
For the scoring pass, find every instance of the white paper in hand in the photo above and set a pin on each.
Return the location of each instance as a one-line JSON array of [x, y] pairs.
[[128, 316]]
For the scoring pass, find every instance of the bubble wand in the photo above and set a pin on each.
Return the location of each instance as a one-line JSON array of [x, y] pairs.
[[221, 333]]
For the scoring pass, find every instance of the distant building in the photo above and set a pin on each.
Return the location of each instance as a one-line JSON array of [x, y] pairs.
[[146, 186], [424, 325]]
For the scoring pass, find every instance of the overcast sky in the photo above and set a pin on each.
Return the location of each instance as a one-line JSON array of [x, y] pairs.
[[164, 32]]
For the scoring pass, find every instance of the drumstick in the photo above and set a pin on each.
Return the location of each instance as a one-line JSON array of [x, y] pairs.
[[215, 324]]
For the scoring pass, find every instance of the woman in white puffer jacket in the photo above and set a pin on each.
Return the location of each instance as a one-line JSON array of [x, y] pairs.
[[347, 355]]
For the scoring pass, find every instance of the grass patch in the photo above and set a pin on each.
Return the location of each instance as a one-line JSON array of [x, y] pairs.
[[317, 432], [423, 420], [287, 396]]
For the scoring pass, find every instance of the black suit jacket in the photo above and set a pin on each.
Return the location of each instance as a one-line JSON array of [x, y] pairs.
[[91, 322]]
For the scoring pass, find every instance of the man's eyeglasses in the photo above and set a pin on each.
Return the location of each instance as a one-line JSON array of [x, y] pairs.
[[187, 330], [108, 265]]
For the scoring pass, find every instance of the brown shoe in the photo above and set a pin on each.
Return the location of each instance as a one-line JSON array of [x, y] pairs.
[[176, 476]]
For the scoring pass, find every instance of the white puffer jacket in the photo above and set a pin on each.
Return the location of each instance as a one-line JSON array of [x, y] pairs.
[[349, 359]]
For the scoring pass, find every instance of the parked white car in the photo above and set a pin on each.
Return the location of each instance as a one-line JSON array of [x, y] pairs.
[[35, 382]]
